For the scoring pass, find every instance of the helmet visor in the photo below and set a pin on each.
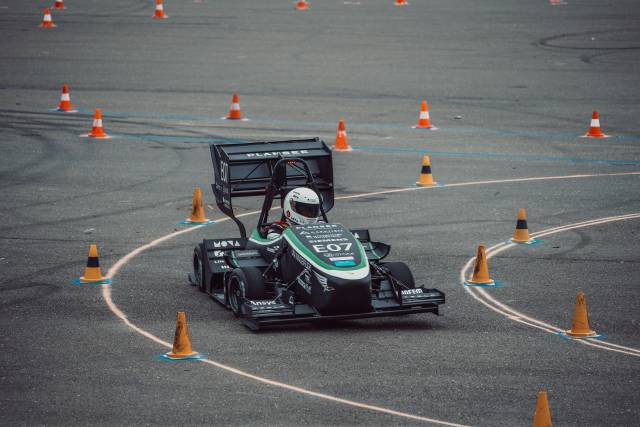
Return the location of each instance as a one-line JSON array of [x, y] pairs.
[[309, 210]]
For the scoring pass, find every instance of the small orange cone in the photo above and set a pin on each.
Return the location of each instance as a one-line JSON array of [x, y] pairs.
[[521, 235], [424, 122], [197, 208], [594, 128], [400, 3], [234, 111], [159, 14], [342, 142], [481, 269], [181, 342], [92, 272], [47, 22], [302, 5], [97, 131], [59, 5], [426, 178], [542, 416], [65, 101], [580, 324]]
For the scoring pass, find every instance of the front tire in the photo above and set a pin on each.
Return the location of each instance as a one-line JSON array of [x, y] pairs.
[[244, 283], [401, 272]]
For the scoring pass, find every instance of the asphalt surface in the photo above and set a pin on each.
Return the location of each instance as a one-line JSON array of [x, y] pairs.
[[511, 85]]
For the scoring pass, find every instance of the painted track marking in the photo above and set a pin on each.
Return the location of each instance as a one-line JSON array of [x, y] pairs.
[[106, 294], [483, 296]]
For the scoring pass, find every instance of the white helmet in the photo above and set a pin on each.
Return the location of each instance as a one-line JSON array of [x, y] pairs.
[[302, 206]]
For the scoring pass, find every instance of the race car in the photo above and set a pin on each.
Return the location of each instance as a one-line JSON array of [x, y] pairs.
[[312, 273]]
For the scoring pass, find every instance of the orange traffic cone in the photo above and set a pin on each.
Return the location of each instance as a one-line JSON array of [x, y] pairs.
[[424, 122], [234, 111], [181, 342], [400, 3], [65, 101], [542, 416], [521, 235], [97, 131], [594, 128], [580, 324], [92, 272], [159, 14], [302, 5], [59, 5], [481, 270], [426, 178], [342, 142], [197, 208], [47, 22]]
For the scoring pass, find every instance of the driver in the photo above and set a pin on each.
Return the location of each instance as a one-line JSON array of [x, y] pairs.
[[301, 206]]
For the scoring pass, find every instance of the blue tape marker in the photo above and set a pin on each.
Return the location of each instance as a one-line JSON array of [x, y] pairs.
[[165, 358], [565, 336], [494, 284], [187, 222], [100, 282], [531, 242]]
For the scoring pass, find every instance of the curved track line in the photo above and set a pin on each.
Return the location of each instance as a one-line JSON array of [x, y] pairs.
[[111, 273], [483, 296]]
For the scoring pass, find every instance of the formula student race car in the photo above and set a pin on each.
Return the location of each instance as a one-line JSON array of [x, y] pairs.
[[312, 273]]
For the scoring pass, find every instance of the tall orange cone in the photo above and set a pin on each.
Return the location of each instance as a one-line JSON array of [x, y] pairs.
[[580, 324], [159, 14], [481, 270], [424, 122], [542, 416], [92, 272], [181, 341], [400, 3], [197, 208], [234, 111], [65, 101], [59, 5], [521, 235], [426, 178], [97, 131], [302, 5], [342, 142], [47, 22], [594, 128]]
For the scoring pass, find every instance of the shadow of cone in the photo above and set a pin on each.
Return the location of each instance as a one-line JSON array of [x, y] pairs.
[[521, 235], [92, 273], [426, 178], [181, 342], [481, 270], [342, 141], [542, 416], [580, 324]]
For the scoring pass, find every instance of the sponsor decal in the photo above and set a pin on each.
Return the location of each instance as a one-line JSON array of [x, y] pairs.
[[332, 247], [300, 259], [278, 153], [344, 263], [224, 171], [273, 249], [415, 291], [226, 243], [218, 254], [262, 303]]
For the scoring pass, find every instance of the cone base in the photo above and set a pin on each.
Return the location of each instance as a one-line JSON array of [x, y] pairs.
[[61, 110], [83, 281], [524, 242], [160, 17], [88, 135], [590, 334], [586, 135], [491, 283], [335, 148], [47, 25], [421, 184], [191, 222], [175, 357], [424, 127], [59, 8], [239, 119]]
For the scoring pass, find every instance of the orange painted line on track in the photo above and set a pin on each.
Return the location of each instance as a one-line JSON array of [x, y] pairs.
[[113, 271], [485, 298]]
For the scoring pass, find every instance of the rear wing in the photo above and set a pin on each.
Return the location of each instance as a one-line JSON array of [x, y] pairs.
[[247, 169]]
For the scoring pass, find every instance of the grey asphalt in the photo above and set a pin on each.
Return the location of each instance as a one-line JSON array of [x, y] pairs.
[[510, 84]]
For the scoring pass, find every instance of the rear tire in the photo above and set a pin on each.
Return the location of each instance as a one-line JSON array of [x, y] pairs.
[[198, 270], [401, 272], [244, 283]]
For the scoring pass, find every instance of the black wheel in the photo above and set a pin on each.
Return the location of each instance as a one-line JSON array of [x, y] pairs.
[[401, 272], [244, 283], [198, 270]]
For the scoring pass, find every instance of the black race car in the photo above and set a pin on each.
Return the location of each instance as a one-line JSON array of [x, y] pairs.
[[312, 273]]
